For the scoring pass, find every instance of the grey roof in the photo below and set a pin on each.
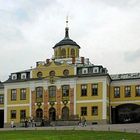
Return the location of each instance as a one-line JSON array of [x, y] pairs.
[[28, 70], [1, 85], [125, 76], [66, 40]]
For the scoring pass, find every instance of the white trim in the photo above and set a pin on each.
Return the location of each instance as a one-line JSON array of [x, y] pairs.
[[74, 87], [125, 82], [89, 101], [1, 108], [5, 104], [75, 99], [104, 105], [15, 105], [63, 103], [121, 102], [30, 103]]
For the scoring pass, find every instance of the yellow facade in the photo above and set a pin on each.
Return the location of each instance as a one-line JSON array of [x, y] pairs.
[[122, 97], [67, 68], [68, 52], [89, 115], [18, 100], [89, 92], [18, 109], [59, 69]]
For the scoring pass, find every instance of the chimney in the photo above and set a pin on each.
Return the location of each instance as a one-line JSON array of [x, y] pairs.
[[73, 60], [47, 61], [82, 60], [37, 63]]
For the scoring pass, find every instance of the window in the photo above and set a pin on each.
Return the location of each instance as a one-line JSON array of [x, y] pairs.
[[79, 71], [22, 114], [127, 91], [94, 110], [116, 92], [72, 52], [1, 99], [94, 89], [65, 91], [39, 92], [13, 114], [23, 94], [63, 53], [13, 94], [83, 90], [66, 72], [138, 90], [83, 111], [52, 73], [52, 91]]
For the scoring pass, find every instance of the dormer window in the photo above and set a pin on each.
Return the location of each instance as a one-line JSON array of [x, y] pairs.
[[84, 71], [23, 76], [95, 70], [14, 76]]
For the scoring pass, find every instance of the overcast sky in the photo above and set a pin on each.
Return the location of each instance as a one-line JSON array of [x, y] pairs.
[[108, 32]]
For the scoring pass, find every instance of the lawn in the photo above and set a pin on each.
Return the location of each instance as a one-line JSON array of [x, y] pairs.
[[66, 135]]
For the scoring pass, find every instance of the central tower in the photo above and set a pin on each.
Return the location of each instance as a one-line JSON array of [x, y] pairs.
[[66, 48]]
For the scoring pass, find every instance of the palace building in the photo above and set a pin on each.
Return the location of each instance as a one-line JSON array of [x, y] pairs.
[[67, 88]]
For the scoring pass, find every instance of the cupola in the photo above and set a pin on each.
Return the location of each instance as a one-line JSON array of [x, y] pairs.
[[66, 48]]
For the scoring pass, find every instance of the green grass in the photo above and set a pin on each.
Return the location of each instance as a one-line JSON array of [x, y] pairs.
[[66, 135]]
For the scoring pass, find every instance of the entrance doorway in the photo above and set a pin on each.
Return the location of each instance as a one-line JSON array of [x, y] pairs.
[[39, 113], [1, 118], [52, 114], [126, 113], [65, 113]]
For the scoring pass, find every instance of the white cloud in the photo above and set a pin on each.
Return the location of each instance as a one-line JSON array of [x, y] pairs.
[[106, 30]]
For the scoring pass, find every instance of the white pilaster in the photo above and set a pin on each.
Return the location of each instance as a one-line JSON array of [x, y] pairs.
[[32, 88], [74, 86], [5, 104], [104, 107]]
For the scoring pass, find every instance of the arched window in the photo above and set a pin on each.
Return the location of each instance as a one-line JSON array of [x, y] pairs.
[[65, 90], [52, 91], [65, 113], [72, 52], [63, 53], [39, 113], [52, 114], [39, 92]]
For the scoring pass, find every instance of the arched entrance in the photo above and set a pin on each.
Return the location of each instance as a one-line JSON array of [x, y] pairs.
[[1, 118], [127, 113], [52, 114], [39, 113], [65, 113]]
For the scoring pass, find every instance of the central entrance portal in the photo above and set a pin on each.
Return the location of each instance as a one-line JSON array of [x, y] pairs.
[[39, 113], [52, 114], [126, 113], [65, 113]]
